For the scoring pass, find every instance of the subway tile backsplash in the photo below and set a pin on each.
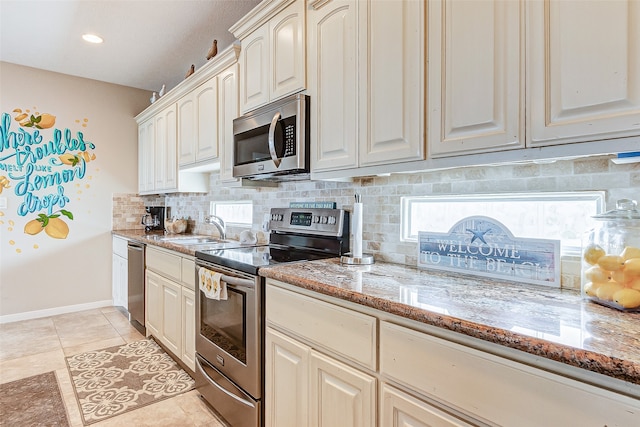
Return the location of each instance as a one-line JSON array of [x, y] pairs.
[[381, 198]]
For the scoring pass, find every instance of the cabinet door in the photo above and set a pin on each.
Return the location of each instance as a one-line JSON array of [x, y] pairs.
[[286, 381], [476, 76], [341, 395], [189, 328], [186, 130], [119, 281], [584, 63], [146, 156], [153, 304], [172, 316], [332, 50], [254, 69], [398, 409], [166, 149], [392, 36], [227, 111], [206, 100], [287, 47]]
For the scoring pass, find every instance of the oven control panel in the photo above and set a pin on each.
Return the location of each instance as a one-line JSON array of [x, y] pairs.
[[323, 222]]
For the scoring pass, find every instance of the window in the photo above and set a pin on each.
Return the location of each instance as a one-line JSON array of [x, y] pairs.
[[239, 213], [563, 216]]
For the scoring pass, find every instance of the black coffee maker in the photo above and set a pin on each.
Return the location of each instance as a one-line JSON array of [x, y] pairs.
[[153, 220]]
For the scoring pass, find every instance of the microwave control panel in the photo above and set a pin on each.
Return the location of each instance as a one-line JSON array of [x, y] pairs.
[[289, 140]]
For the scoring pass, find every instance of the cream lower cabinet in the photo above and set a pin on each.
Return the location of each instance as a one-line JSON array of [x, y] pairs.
[[333, 363], [119, 272], [339, 394], [400, 409], [489, 389], [170, 302], [318, 363], [308, 388]]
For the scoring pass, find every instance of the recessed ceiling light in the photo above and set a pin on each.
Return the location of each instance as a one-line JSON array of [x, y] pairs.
[[92, 38]]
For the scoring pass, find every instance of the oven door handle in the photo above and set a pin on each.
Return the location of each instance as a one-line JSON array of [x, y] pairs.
[[272, 142], [236, 281]]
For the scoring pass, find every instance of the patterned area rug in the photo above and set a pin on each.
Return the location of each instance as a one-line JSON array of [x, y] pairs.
[[32, 401], [119, 379]]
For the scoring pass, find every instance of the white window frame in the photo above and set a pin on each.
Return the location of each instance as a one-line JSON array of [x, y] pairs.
[[213, 211], [406, 204]]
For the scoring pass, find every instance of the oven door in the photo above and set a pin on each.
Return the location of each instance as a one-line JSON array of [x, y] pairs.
[[229, 334]]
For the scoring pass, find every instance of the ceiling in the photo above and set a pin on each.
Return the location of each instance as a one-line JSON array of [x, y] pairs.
[[147, 43]]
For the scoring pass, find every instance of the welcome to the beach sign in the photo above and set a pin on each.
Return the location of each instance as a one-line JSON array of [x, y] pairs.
[[482, 246]]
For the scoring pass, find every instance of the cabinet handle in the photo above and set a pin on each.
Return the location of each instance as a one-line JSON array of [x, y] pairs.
[[272, 143]]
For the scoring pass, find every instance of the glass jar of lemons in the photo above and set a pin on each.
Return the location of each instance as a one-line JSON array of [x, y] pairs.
[[611, 258]]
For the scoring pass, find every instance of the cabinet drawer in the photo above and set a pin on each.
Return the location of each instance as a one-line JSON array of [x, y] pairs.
[[345, 332], [120, 246], [493, 388], [188, 268], [164, 263]]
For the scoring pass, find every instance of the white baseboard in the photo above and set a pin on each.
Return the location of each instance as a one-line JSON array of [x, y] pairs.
[[54, 311]]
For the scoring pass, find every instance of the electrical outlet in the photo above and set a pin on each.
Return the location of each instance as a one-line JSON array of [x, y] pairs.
[[200, 216], [3, 203]]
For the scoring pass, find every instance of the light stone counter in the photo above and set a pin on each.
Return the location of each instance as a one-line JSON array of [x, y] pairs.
[[546, 322]]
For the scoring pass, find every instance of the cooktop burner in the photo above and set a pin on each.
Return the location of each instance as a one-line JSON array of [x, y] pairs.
[[251, 259]]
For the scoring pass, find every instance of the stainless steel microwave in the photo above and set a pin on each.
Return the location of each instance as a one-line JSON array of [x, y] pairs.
[[272, 142]]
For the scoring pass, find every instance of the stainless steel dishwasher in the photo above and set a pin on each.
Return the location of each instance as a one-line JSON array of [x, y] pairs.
[[135, 288]]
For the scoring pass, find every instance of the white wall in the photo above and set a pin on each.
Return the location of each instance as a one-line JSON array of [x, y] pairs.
[[39, 273]]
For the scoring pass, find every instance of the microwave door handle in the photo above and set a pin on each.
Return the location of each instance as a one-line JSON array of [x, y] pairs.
[[272, 143]]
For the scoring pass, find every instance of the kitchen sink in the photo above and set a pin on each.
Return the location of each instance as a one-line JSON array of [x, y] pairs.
[[188, 240]]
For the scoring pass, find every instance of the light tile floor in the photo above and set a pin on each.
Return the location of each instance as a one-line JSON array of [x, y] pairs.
[[37, 346]]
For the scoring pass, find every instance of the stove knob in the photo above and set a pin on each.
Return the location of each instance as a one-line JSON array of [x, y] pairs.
[[332, 220], [280, 217], [323, 219], [316, 219]]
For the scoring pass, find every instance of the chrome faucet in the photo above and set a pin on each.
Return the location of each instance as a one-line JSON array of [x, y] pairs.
[[219, 223]]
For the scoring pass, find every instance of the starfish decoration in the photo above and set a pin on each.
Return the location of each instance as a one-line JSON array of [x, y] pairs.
[[477, 234]]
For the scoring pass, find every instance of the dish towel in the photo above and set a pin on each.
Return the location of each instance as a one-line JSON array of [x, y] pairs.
[[211, 285]]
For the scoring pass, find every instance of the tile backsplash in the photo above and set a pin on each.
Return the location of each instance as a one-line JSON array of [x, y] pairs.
[[381, 198]]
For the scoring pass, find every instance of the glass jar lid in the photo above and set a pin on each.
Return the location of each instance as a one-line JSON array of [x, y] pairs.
[[625, 209]]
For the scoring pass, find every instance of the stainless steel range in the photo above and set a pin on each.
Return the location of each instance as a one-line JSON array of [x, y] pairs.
[[230, 336]]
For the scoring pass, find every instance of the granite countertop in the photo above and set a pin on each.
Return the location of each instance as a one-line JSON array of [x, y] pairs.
[[546, 322], [151, 239]]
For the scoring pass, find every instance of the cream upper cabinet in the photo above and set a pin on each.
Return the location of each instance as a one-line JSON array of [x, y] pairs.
[[227, 111], [476, 75], [166, 149], [198, 124], [287, 51], [392, 81], [254, 63], [146, 155], [272, 59], [584, 70], [366, 74], [332, 86]]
